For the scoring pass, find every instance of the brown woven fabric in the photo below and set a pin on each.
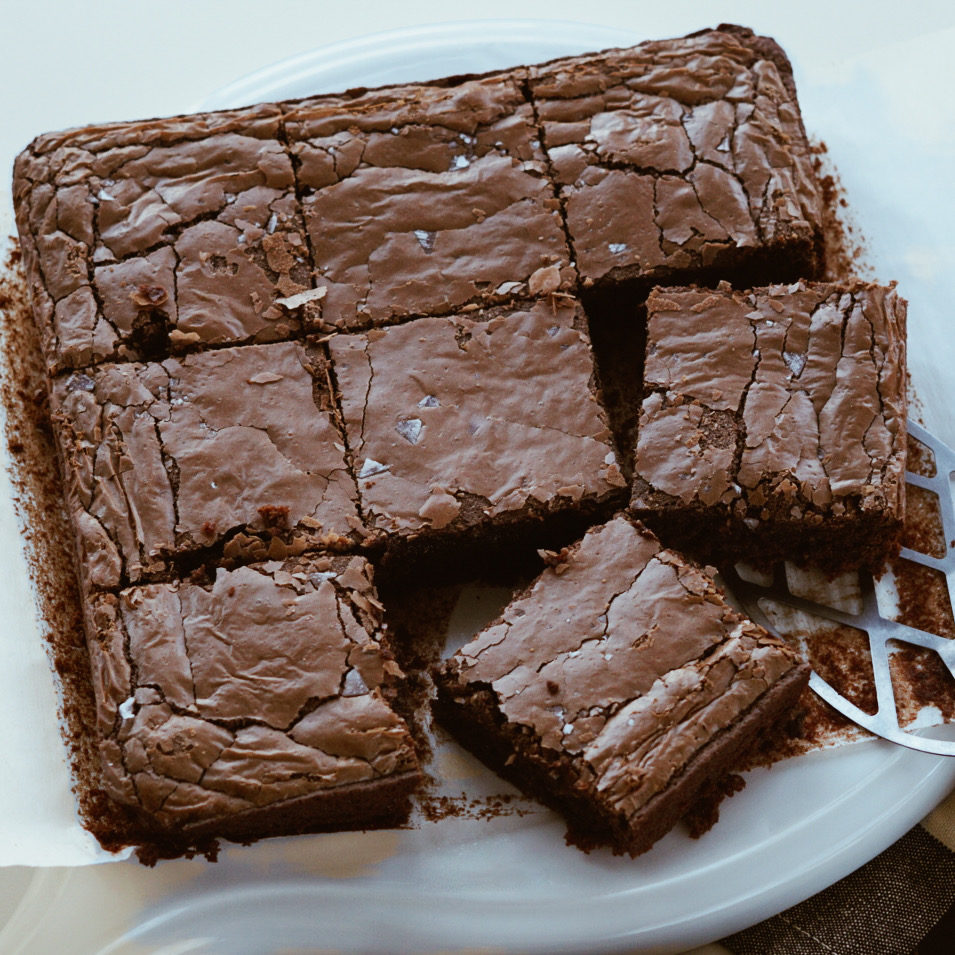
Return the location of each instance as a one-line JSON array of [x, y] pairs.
[[887, 907], [941, 940]]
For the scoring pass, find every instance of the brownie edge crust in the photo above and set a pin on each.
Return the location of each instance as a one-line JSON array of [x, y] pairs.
[[616, 687], [258, 704], [773, 423]]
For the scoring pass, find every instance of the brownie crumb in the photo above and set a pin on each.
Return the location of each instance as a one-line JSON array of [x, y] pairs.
[[845, 254], [149, 296], [434, 808], [275, 517]]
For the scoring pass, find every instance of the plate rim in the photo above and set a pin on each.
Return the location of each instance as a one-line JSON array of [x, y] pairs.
[[323, 60]]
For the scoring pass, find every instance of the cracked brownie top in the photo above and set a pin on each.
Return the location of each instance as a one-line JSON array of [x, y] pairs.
[[678, 155], [139, 248], [420, 200], [234, 449], [623, 659], [268, 684], [459, 420], [783, 403]]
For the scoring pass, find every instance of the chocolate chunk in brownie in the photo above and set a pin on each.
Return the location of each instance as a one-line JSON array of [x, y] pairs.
[[420, 200], [233, 451], [616, 686], [774, 422], [462, 425], [681, 157], [142, 239], [258, 703]]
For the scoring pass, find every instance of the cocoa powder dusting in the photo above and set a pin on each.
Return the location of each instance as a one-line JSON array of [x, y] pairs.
[[434, 808], [923, 524], [840, 655], [845, 253], [923, 597], [919, 458], [919, 677]]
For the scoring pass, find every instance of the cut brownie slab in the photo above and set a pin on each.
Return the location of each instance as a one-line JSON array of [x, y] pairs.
[[616, 687], [235, 449], [142, 238], [680, 156], [462, 425], [774, 422], [420, 200], [253, 705]]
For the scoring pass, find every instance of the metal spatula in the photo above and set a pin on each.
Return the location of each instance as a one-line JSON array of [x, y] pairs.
[[881, 631]]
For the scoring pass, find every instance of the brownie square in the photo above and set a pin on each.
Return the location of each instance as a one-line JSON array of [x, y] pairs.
[[231, 453], [420, 200], [616, 686], [682, 156], [773, 424], [463, 424], [260, 702], [145, 238]]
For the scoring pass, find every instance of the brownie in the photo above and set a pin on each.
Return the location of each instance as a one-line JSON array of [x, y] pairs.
[[423, 199], [616, 687], [258, 703], [773, 423], [232, 453], [462, 425], [356, 321], [680, 158], [144, 238]]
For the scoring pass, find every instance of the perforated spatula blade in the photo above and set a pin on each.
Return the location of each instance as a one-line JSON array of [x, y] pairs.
[[885, 635]]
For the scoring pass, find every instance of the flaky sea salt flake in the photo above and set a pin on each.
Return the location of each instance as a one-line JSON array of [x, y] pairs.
[[301, 298], [795, 362], [371, 467], [410, 429], [354, 685], [425, 239]]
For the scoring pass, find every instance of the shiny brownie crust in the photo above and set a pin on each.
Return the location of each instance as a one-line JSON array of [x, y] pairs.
[[616, 686], [257, 702], [773, 422]]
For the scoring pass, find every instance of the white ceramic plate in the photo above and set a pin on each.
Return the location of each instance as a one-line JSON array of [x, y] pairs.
[[507, 882]]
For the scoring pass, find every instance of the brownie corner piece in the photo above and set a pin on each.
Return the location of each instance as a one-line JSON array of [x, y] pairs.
[[682, 159], [145, 239], [258, 704], [232, 453], [773, 422], [471, 426], [617, 686]]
